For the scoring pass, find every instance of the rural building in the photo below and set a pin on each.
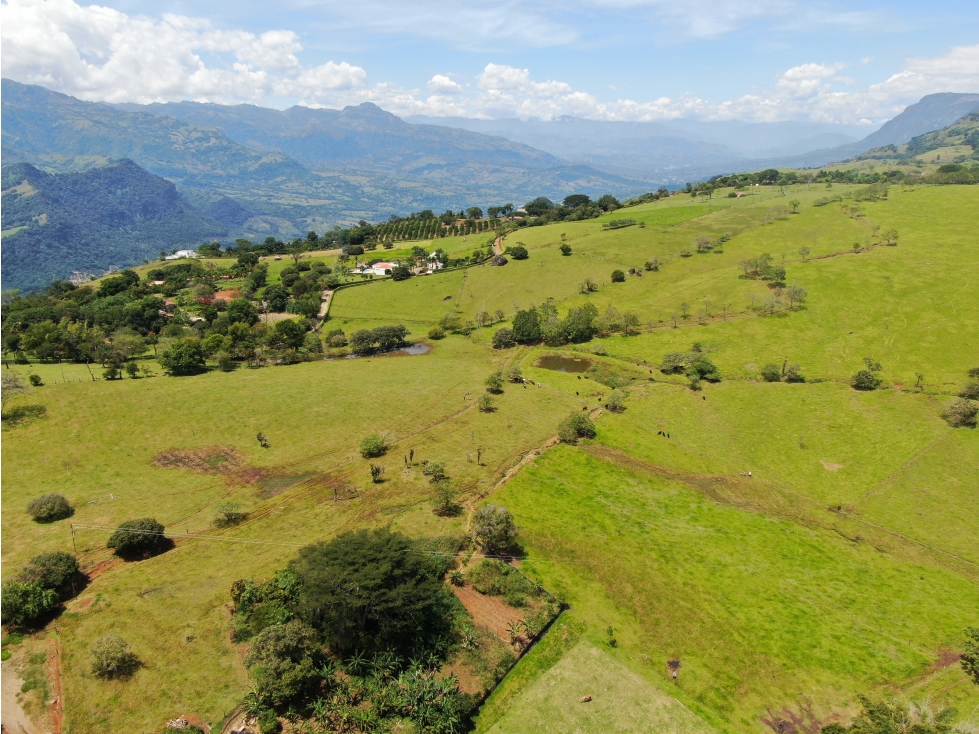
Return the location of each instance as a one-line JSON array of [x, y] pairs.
[[181, 254]]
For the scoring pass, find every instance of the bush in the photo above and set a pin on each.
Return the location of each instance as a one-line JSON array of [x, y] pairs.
[[51, 570], [35, 380], [575, 426], [113, 658], [618, 276], [865, 380], [138, 538], [225, 363], [494, 383], [485, 404], [268, 722], [518, 252], [961, 414], [673, 363], [565, 249], [436, 332], [494, 528], [49, 507], [771, 372], [435, 471], [22, 602], [400, 272], [373, 446], [616, 401], [503, 339], [794, 374], [703, 369], [970, 391]]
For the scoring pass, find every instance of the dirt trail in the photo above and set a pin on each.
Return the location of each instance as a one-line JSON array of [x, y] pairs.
[[498, 246], [324, 307], [14, 719], [53, 666]]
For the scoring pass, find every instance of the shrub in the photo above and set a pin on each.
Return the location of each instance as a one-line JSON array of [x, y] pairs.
[[51, 570], [673, 363], [618, 276], [445, 495], [435, 471], [794, 374], [575, 426], [268, 722], [138, 537], [961, 414], [970, 655], [184, 356], [565, 249], [616, 401], [22, 602], [373, 446], [35, 380], [436, 332], [513, 373], [518, 252], [225, 363], [970, 391], [703, 369], [865, 380], [503, 339], [651, 265], [229, 513], [49, 507], [494, 383], [771, 372], [485, 404], [494, 528], [113, 658]]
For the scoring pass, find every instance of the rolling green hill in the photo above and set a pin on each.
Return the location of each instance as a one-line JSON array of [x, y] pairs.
[[791, 545], [116, 215]]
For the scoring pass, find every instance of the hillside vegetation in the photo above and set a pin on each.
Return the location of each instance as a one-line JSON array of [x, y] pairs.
[[774, 500]]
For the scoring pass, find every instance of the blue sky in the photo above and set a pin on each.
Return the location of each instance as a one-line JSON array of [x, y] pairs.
[[604, 59]]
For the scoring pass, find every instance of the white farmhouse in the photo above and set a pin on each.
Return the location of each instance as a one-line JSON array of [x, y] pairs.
[[181, 254]]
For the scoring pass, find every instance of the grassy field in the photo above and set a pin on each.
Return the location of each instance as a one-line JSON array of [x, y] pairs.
[[846, 564]]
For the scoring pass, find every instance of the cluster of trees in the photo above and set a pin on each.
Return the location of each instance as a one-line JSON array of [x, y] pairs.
[[661, 193], [376, 601], [39, 588], [695, 364], [575, 207], [542, 324]]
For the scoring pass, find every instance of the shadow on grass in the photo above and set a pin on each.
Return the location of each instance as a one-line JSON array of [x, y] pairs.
[[142, 554], [23, 415]]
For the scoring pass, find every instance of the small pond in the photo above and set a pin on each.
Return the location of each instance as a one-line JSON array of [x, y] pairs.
[[564, 364], [409, 350]]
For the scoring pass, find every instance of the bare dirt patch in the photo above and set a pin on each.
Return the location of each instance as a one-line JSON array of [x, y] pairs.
[[271, 485], [488, 611], [829, 465], [227, 296], [205, 460]]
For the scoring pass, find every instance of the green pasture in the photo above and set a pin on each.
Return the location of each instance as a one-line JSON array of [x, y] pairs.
[[763, 613]]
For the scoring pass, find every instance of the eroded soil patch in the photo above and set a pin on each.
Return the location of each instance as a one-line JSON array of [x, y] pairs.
[[205, 460]]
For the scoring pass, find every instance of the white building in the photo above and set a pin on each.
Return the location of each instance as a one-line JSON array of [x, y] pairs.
[[181, 254]]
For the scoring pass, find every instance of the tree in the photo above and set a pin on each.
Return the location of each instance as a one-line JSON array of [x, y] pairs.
[[52, 570], [276, 296], [970, 391], [373, 446], [519, 252], [771, 372], [474, 212], [702, 368], [673, 363], [565, 249], [284, 660], [796, 295], [485, 404], [795, 204], [49, 507], [893, 717], [527, 326], [794, 374], [445, 495], [804, 251], [503, 339], [970, 656], [241, 310], [138, 538], [494, 529], [618, 276], [369, 589], [494, 383], [291, 333], [400, 272], [615, 402], [575, 426], [575, 200], [377, 471], [184, 357], [609, 203], [229, 513], [113, 658], [12, 386], [579, 325], [21, 602], [435, 471], [961, 414]]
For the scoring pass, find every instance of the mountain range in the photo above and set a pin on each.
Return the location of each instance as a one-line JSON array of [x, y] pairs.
[[137, 178]]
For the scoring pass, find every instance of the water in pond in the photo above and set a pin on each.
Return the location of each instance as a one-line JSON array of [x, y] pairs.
[[409, 350], [564, 364]]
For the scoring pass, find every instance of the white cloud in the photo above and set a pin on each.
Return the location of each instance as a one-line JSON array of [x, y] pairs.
[[442, 85], [97, 53]]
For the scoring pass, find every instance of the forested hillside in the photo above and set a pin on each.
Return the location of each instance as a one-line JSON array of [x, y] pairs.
[[117, 215]]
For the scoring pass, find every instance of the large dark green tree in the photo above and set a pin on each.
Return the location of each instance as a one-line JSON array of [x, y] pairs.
[[370, 590]]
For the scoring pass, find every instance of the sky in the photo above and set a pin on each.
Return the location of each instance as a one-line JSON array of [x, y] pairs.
[[851, 62]]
